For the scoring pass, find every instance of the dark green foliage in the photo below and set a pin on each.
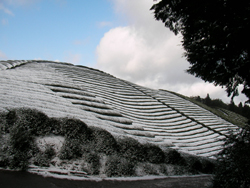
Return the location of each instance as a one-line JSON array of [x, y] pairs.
[[20, 126], [44, 158], [154, 154], [103, 141], [119, 166], [20, 146], [4, 161], [174, 157], [233, 162], [3, 122], [30, 120], [18, 160], [193, 163], [132, 149], [215, 38], [93, 159], [55, 125], [71, 148], [208, 165], [76, 129], [49, 151], [150, 169], [218, 103]]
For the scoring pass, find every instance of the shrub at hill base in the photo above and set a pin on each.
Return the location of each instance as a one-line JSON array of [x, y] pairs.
[[154, 154], [21, 125], [92, 165], [103, 141], [174, 157], [132, 149], [98, 150], [234, 165], [44, 158], [117, 165], [30, 120]]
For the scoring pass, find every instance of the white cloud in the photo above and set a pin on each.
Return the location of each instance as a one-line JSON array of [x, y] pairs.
[[147, 53]]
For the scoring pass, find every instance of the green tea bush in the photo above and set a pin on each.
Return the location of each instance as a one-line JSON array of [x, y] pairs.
[[3, 122], [4, 150], [154, 154], [71, 149], [119, 166], [150, 169], [41, 159], [103, 142], [30, 120], [193, 163], [44, 158], [22, 125], [208, 165], [18, 160], [233, 161], [174, 157], [93, 163], [132, 149], [20, 145], [55, 125], [49, 151], [75, 129], [176, 170]]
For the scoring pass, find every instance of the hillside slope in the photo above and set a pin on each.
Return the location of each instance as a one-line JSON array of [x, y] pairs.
[[119, 106]]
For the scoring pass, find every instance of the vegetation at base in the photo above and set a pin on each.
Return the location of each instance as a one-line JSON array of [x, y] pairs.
[[20, 127], [44, 158], [117, 165], [233, 167], [92, 164]]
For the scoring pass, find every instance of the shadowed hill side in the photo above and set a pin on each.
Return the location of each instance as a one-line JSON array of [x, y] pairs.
[[122, 108]]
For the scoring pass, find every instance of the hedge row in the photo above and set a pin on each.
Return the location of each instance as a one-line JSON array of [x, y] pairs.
[[23, 125]]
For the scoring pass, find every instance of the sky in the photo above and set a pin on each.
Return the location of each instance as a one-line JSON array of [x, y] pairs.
[[120, 37]]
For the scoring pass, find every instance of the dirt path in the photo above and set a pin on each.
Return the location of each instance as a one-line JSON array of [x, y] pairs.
[[9, 179]]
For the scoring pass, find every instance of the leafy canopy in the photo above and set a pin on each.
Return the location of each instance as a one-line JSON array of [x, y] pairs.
[[215, 38], [234, 164]]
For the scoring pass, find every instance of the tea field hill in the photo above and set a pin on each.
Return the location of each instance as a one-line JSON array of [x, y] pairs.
[[122, 108]]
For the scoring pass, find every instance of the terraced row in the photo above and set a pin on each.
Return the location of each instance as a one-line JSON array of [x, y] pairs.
[[143, 108], [11, 64], [119, 106]]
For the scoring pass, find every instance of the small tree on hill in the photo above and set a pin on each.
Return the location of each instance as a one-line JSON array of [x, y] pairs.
[[208, 100]]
